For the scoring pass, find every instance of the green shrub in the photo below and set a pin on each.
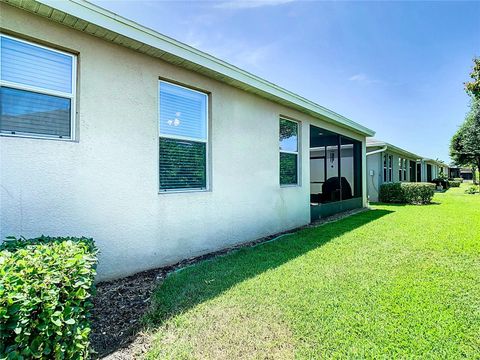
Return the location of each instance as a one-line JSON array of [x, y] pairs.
[[45, 289], [407, 193], [472, 189], [454, 183], [458, 179], [418, 193], [391, 193]]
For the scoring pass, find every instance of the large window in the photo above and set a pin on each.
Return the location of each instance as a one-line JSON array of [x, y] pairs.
[[37, 93], [288, 142], [183, 124]]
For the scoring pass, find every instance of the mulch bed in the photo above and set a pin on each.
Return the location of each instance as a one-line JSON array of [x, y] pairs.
[[120, 304]]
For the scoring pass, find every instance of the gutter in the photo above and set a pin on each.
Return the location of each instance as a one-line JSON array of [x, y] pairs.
[[377, 151]]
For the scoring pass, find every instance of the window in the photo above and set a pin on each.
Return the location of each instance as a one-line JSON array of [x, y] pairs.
[[37, 90], [402, 169], [387, 168], [288, 152], [183, 144]]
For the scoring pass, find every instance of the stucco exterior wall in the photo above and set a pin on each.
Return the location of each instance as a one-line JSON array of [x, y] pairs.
[[374, 175], [105, 183]]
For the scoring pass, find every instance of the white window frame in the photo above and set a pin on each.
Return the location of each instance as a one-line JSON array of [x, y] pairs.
[[72, 96], [187, 138], [291, 152]]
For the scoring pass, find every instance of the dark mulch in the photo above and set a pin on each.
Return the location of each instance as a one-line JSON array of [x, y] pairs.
[[119, 305]]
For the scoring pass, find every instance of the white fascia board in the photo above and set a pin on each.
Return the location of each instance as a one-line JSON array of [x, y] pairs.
[[117, 24]]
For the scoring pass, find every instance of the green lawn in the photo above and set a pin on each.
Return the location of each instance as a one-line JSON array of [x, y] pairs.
[[393, 282]]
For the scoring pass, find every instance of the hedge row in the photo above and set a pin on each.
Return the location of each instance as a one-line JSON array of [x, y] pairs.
[[45, 290], [407, 193], [454, 183]]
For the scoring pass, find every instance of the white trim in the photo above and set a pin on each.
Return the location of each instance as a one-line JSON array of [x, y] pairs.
[[298, 123], [118, 25], [186, 138], [72, 95], [35, 89]]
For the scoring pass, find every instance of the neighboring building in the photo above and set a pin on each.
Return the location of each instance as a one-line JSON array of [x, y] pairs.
[[466, 174], [454, 172], [432, 169], [155, 149], [389, 163]]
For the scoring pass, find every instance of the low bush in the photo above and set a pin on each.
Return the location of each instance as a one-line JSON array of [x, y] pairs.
[[458, 179], [454, 183], [472, 189], [407, 193], [391, 193], [45, 289], [418, 193]]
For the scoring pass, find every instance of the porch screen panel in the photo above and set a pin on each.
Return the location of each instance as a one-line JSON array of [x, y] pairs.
[[183, 138]]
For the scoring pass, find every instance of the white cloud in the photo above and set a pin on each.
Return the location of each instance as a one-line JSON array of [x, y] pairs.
[[249, 4], [363, 79]]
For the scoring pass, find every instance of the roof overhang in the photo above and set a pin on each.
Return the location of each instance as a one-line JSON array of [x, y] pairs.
[[372, 143], [96, 21]]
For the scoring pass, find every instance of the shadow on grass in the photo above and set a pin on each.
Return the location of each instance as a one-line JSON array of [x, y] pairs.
[[208, 279]]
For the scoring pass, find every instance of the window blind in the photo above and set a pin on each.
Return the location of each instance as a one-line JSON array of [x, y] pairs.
[[31, 65], [37, 90]]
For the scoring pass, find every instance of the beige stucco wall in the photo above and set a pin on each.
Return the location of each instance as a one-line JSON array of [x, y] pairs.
[[105, 183]]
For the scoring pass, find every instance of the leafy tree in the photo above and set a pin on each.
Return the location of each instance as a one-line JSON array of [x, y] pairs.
[[465, 144]]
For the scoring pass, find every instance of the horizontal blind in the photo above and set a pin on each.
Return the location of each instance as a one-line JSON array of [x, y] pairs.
[[288, 169], [183, 112], [182, 164], [31, 65], [27, 112]]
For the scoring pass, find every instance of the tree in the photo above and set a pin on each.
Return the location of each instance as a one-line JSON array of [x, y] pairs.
[[465, 144]]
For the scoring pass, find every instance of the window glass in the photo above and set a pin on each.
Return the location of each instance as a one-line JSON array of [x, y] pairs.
[[183, 112], [182, 164], [183, 138], [288, 135], [288, 152], [33, 113]]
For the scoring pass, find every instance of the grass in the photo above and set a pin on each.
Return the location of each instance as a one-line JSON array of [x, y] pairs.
[[393, 282]]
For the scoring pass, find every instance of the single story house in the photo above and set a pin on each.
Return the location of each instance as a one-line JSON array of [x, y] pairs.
[[389, 163], [155, 149]]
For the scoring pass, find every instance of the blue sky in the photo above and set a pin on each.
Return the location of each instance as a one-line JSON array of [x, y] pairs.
[[396, 67]]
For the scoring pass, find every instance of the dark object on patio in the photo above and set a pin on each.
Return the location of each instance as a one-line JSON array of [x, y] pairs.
[[331, 190]]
